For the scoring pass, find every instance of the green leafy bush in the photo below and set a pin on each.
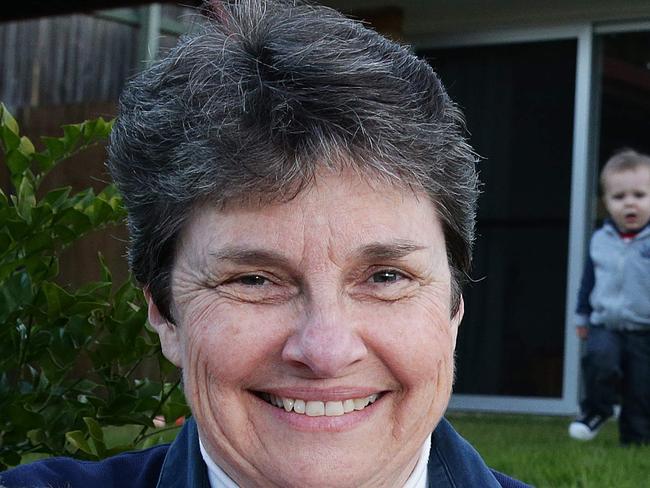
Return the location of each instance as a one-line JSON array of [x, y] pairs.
[[70, 359]]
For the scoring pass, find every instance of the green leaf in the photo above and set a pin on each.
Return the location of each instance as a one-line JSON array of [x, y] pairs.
[[18, 229], [94, 429], [5, 242], [26, 147], [56, 198], [77, 440], [83, 198], [19, 415], [18, 150], [44, 161], [40, 242], [15, 293], [38, 342], [64, 234], [36, 436], [58, 300], [55, 148], [74, 220], [7, 120], [17, 162], [175, 409], [71, 135], [99, 212], [40, 266], [103, 128], [7, 269], [99, 448], [26, 200], [42, 217], [111, 196], [10, 139], [94, 130]]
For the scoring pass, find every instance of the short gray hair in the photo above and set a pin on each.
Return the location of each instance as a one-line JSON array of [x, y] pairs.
[[266, 94]]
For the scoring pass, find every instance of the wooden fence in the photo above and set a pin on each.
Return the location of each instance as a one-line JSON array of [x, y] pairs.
[[66, 69]]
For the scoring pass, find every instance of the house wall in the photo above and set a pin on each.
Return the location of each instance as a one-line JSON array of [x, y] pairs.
[[424, 18]]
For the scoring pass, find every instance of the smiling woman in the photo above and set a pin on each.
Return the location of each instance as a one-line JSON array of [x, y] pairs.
[[301, 205], [288, 333]]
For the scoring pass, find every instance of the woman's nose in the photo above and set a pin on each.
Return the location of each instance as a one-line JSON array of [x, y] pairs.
[[326, 342]]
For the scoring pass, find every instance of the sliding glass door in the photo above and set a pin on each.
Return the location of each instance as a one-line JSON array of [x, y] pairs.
[[518, 100]]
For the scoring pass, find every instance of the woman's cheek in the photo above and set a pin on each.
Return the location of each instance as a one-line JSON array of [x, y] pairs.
[[231, 340]]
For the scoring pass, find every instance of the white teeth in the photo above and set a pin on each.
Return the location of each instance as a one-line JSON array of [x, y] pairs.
[[299, 406], [334, 409], [287, 403], [315, 408], [360, 403]]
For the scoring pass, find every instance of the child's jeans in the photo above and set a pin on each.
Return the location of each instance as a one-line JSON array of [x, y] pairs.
[[616, 366]]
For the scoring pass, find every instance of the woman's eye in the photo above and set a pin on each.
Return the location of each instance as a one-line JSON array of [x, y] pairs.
[[252, 280], [263, 288], [386, 276]]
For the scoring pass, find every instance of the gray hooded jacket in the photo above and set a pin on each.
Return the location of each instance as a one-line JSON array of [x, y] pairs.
[[615, 290]]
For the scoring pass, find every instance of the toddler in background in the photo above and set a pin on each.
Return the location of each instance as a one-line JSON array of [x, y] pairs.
[[613, 313]]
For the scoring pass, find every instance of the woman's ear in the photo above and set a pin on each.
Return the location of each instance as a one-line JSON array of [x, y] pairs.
[[169, 334], [457, 318]]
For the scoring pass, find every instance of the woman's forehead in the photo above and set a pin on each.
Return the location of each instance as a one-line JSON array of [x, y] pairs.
[[259, 192], [344, 210]]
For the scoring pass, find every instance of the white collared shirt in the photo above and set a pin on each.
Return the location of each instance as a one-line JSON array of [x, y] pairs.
[[418, 478]]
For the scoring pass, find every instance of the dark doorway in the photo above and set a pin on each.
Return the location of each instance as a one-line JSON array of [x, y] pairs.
[[625, 95], [518, 101]]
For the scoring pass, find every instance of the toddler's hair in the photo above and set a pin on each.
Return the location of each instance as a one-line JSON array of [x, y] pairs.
[[624, 160]]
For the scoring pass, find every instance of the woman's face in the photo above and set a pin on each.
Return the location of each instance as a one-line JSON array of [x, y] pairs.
[[335, 305]]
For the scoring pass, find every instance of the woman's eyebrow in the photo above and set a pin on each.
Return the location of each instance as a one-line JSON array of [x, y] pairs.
[[375, 251], [387, 250], [248, 255]]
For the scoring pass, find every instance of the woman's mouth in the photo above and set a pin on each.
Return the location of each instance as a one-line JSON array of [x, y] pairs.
[[317, 408]]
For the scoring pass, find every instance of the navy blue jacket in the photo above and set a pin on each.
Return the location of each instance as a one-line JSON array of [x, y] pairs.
[[453, 463]]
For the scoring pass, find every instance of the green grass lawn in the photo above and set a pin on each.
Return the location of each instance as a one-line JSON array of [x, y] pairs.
[[538, 450]]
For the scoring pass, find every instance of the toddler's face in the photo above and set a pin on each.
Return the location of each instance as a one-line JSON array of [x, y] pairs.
[[627, 198]]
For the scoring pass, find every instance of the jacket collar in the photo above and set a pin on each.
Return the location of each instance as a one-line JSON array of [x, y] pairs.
[[609, 224], [453, 463], [183, 466]]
